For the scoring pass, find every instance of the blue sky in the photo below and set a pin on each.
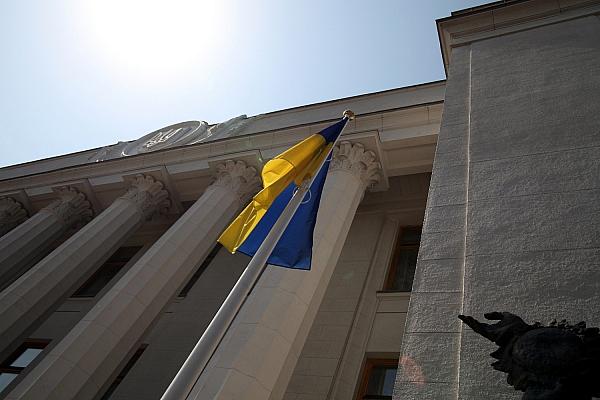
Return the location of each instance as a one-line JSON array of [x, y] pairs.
[[79, 74]]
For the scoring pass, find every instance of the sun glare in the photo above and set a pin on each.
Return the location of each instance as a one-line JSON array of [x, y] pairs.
[[152, 38]]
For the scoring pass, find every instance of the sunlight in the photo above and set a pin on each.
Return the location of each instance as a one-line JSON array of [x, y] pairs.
[[153, 38]]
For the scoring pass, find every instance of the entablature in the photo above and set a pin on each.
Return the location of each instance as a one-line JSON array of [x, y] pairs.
[[403, 139]]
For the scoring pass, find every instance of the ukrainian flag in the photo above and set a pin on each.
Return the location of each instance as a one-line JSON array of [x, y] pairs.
[[281, 177]]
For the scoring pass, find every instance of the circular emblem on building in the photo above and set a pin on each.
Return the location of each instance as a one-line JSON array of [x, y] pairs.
[[173, 135]]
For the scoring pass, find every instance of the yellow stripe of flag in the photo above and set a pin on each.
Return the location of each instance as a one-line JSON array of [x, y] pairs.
[[294, 164]]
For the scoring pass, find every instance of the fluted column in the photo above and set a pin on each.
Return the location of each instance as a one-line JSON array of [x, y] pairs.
[[35, 293], [28, 242], [256, 358], [91, 352], [12, 214]]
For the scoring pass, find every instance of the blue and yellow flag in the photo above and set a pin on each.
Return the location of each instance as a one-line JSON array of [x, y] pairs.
[[281, 176]]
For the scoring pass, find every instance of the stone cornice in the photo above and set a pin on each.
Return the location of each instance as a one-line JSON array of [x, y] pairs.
[[272, 130], [502, 18]]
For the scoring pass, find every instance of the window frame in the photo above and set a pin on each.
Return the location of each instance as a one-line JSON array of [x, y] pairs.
[[398, 248], [368, 366], [5, 365]]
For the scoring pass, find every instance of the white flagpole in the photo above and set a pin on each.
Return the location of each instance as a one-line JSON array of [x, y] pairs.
[[190, 371]]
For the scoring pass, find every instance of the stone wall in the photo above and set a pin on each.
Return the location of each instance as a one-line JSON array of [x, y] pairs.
[[512, 218]]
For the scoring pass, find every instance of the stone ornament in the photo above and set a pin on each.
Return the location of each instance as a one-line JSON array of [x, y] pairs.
[[12, 214], [181, 134], [353, 157], [71, 207], [148, 195], [554, 362], [239, 178]]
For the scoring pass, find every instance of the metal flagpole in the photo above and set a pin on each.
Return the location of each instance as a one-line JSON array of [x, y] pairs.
[[190, 371]]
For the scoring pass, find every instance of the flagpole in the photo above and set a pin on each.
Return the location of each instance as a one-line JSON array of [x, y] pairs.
[[192, 368]]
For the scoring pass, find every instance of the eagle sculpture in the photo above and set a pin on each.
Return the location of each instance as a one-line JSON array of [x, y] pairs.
[[554, 362]]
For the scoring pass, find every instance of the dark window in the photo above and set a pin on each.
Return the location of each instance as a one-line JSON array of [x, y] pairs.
[[19, 360], [402, 270], [106, 272], [200, 270], [378, 379], [124, 372]]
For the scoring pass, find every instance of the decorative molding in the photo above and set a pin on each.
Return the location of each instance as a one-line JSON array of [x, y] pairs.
[[238, 177], [353, 157], [12, 213], [181, 134], [148, 195], [71, 207], [502, 18]]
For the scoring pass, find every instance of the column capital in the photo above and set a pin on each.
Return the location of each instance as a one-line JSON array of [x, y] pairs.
[[71, 207], [148, 195], [12, 214], [353, 158], [239, 178]]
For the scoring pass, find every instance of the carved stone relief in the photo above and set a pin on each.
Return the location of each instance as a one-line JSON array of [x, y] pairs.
[[181, 134]]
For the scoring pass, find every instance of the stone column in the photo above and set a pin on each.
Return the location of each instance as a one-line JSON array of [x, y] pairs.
[[257, 356], [85, 359], [12, 214], [37, 292], [27, 243]]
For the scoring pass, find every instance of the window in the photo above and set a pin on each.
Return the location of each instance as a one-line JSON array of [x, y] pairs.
[[19, 360], [106, 272], [124, 371], [378, 379], [402, 269], [200, 270]]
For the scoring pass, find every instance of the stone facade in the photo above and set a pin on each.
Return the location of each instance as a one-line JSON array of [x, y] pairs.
[[499, 165], [172, 204], [510, 222]]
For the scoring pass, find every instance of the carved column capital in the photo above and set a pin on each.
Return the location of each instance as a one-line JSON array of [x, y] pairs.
[[12, 214], [239, 178], [71, 207], [353, 158], [148, 195]]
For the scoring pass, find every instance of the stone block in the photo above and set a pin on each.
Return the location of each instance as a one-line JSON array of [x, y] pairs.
[[538, 286], [309, 384], [563, 171], [425, 391], [438, 245], [451, 218], [457, 144], [477, 377], [536, 222], [386, 332], [323, 348], [319, 366], [434, 312], [447, 195], [429, 357], [441, 275]]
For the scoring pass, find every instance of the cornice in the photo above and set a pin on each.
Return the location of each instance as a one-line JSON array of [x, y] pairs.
[[274, 122], [506, 17], [402, 135]]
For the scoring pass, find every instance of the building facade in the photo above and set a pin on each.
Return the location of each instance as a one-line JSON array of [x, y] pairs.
[[470, 195]]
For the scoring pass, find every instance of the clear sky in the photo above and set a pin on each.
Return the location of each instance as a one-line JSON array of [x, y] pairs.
[[79, 74]]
